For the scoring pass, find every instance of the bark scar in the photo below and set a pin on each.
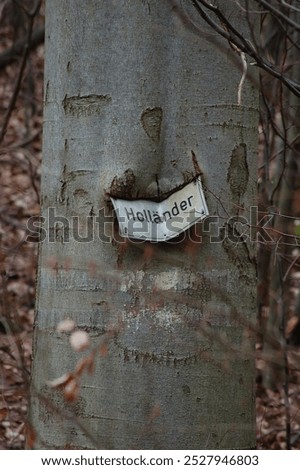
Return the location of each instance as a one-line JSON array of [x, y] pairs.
[[89, 105], [151, 121], [238, 172]]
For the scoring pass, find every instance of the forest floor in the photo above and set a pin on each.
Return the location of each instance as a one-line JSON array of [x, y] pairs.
[[277, 412]]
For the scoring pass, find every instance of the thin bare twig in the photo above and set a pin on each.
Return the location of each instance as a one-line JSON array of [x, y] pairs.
[[278, 13], [21, 144], [290, 6], [233, 36], [31, 16], [11, 54]]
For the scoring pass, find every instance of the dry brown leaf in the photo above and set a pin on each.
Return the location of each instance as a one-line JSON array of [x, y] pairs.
[[30, 436], [71, 390], [86, 363], [291, 325], [3, 413], [81, 365], [103, 349]]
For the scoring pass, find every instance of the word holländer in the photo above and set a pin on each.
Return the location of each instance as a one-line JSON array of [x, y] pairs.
[[160, 221], [154, 216]]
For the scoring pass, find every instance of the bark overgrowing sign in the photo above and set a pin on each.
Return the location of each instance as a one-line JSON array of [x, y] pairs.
[[161, 221]]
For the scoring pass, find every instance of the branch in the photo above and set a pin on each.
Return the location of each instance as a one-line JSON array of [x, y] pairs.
[[24, 143], [287, 5], [31, 16], [226, 30], [278, 13], [11, 54]]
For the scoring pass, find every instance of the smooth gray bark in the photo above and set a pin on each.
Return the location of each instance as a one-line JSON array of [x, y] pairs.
[[130, 92]]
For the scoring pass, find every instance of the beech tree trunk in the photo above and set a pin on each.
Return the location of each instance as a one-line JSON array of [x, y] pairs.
[[131, 93]]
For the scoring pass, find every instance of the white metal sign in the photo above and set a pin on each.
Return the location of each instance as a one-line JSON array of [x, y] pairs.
[[160, 221]]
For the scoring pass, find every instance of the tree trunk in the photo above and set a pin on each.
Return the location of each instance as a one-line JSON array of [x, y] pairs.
[[130, 94]]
